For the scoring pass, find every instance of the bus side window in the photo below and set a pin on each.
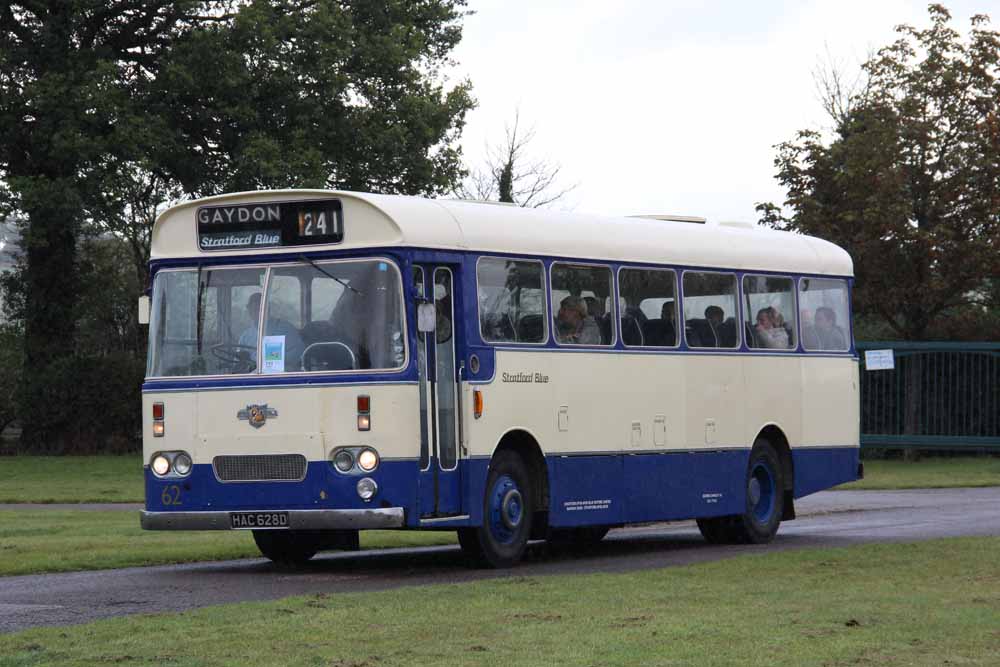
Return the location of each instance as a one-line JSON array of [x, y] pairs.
[[710, 312], [585, 315], [648, 307], [511, 300], [769, 309], [824, 313]]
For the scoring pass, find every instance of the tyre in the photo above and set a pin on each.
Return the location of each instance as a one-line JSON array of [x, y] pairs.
[[507, 513], [286, 547], [765, 497], [764, 490]]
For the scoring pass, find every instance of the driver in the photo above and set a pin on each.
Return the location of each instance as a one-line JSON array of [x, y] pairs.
[[274, 327]]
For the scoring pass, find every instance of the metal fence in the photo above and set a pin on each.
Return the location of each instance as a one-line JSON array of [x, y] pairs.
[[937, 396]]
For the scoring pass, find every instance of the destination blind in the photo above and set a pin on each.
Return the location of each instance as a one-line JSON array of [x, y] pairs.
[[270, 224]]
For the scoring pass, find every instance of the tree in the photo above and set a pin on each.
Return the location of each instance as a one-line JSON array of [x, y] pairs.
[[100, 99], [909, 183], [510, 175]]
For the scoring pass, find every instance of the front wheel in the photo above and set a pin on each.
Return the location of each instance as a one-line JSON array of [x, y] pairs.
[[507, 511], [286, 547]]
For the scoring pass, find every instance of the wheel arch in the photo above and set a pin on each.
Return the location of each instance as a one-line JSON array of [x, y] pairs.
[[777, 438], [526, 445]]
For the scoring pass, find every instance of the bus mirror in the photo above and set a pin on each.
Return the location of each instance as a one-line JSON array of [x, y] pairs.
[[426, 317], [143, 309]]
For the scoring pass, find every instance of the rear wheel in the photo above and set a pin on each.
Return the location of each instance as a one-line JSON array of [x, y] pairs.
[[764, 503], [286, 547], [507, 512]]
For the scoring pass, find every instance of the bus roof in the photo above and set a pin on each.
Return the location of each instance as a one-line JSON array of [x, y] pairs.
[[393, 220]]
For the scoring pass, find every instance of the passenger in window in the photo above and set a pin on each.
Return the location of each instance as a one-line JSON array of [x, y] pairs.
[[829, 336], [273, 327], [574, 325], [770, 330]]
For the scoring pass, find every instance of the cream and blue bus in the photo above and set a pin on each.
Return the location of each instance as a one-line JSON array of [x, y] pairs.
[[327, 362]]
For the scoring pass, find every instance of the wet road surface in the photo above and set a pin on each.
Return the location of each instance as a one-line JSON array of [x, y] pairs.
[[828, 519]]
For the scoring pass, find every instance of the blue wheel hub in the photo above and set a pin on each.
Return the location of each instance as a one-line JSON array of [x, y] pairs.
[[505, 509], [761, 492]]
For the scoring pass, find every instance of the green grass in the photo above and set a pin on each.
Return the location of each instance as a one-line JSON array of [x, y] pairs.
[[71, 479], [865, 605], [33, 541], [929, 473]]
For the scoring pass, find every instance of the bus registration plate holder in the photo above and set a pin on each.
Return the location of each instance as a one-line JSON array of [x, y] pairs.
[[258, 520]]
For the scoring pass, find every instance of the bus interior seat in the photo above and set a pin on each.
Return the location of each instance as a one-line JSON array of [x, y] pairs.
[[703, 332], [728, 333], [531, 328], [659, 332], [750, 335], [632, 325], [604, 324]]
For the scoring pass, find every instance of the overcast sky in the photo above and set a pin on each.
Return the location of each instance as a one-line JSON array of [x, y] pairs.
[[669, 106]]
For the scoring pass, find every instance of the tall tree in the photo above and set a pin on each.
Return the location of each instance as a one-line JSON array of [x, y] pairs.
[[909, 183], [511, 174], [100, 98]]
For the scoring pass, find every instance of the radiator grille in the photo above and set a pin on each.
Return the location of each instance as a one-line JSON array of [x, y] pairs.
[[260, 468]]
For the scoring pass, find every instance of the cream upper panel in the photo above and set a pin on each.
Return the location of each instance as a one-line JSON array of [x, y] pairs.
[[386, 220]]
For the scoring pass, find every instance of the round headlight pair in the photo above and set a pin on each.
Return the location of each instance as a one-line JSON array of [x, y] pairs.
[[165, 463], [344, 460]]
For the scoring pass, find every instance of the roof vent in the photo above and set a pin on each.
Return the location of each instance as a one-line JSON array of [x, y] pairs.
[[673, 218]]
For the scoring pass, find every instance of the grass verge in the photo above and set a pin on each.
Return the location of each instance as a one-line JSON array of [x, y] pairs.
[[35, 541], [869, 605], [929, 473], [71, 479]]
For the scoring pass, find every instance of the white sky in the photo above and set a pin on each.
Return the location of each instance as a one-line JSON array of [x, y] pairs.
[[671, 106]]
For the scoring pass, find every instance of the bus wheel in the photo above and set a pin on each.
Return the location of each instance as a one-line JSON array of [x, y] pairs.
[[286, 547], [765, 497], [507, 512]]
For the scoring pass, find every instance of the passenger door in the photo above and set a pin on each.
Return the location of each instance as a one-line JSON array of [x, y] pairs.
[[440, 396]]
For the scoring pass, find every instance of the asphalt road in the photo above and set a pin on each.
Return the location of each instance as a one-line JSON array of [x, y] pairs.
[[829, 519]]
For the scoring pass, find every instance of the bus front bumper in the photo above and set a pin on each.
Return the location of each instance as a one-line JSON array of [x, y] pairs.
[[360, 519]]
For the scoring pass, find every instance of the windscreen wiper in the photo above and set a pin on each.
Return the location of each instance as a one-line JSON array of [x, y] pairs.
[[327, 274]]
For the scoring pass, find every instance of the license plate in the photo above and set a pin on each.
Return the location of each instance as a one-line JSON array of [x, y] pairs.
[[258, 520]]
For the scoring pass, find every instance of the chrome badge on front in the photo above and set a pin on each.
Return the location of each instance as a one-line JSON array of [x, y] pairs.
[[257, 414]]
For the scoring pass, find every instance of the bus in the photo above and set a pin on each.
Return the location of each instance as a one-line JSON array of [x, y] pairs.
[[325, 362]]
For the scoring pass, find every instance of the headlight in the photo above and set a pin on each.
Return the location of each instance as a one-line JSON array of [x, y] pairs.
[[367, 488], [368, 460], [160, 465], [343, 460], [182, 464]]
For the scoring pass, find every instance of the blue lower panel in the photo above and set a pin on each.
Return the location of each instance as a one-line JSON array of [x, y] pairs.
[[584, 490], [817, 469], [681, 486], [322, 488]]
